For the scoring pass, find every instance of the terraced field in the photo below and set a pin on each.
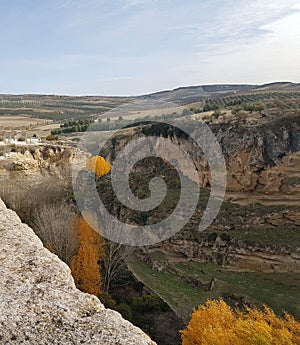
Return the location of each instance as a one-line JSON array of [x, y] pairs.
[[57, 108]]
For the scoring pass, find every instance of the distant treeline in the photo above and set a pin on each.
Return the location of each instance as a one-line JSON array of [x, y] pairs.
[[108, 125], [73, 126], [281, 99]]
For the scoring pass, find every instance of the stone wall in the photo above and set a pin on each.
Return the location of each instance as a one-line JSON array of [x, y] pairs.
[[39, 303]]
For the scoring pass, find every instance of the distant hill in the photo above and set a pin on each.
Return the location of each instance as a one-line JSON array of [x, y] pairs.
[[197, 93], [280, 86], [191, 94], [62, 108]]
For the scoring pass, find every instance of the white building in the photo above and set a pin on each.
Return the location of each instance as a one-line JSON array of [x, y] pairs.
[[11, 141], [33, 140], [18, 141], [10, 154]]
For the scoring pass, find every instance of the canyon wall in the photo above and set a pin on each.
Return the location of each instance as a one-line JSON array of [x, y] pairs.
[[259, 158], [234, 254], [263, 167]]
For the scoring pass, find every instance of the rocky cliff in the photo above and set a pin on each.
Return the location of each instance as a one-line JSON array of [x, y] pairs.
[[259, 159], [39, 303], [235, 255], [263, 169], [34, 161]]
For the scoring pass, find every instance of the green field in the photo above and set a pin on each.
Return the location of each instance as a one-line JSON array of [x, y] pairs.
[[279, 291], [179, 296]]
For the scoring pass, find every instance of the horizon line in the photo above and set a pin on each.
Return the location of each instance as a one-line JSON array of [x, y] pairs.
[[148, 93]]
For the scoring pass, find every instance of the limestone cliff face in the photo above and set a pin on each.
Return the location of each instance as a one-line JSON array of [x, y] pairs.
[[263, 166], [253, 154], [39, 303], [32, 162], [235, 255]]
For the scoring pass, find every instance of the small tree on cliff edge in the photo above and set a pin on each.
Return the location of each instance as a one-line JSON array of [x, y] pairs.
[[98, 165], [85, 265]]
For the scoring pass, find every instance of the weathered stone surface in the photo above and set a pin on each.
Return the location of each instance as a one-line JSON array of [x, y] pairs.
[[39, 303], [235, 255], [254, 155], [31, 164]]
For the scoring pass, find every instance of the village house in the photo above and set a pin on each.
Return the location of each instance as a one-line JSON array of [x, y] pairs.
[[20, 141]]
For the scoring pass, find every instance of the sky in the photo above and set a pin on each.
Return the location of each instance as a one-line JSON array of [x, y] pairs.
[[133, 47]]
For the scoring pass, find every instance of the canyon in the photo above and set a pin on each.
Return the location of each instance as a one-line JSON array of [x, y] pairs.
[[257, 229]]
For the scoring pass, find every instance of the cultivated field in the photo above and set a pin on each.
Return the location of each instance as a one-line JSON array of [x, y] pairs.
[[20, 121]]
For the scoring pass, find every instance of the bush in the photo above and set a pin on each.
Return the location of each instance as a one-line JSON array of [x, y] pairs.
[[217, 114], [186, 112], [125, 310], [242, 116], [51, 138], [149, 304], [107, 300], [254, 107], [208, 106]]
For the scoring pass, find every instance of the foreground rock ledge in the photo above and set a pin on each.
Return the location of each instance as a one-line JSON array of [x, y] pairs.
[[39, 303]]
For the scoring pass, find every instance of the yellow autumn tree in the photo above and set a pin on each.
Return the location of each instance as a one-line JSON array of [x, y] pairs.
[[216, 323], [98, 165], [85, 264]]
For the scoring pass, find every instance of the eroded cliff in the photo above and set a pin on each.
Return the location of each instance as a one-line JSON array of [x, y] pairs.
[[33, 162], [262, 161], [39, 303]]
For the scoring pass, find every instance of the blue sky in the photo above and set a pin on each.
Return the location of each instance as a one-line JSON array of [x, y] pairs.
[[129, 47]]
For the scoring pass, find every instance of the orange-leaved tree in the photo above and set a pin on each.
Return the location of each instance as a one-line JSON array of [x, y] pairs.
[[98, 165], [216, 323], [85, 264]]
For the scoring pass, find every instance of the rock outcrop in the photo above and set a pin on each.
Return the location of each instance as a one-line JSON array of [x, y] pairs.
[[39, 303], [31, 163], [235, 255], [258, 158]]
